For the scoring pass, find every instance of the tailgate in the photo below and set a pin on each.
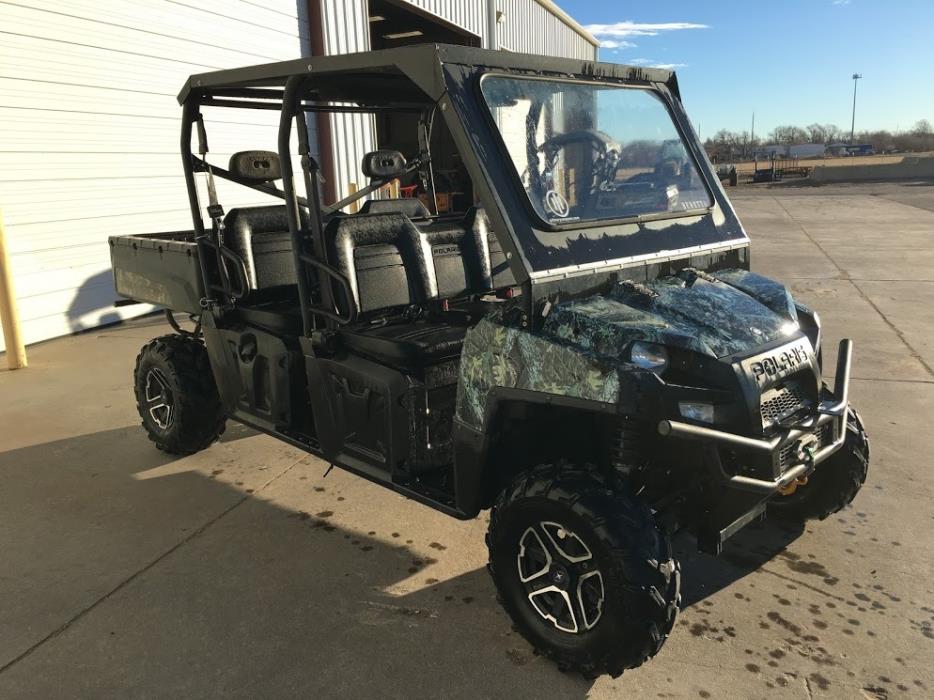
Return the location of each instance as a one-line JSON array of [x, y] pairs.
[[158, 268]]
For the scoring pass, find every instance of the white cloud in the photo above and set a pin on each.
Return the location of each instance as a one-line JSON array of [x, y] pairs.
[[649, 63], [613, 44], [841, 2], [629, 28]]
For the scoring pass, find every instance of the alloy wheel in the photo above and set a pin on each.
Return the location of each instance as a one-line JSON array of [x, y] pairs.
[[561, 578], [159, 401]]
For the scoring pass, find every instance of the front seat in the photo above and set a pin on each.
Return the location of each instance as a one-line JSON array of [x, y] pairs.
[[388, 264]]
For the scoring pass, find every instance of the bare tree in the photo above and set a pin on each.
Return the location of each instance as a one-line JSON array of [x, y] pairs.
[[788, 135], [728, 146], [817, 133], [832, 133]]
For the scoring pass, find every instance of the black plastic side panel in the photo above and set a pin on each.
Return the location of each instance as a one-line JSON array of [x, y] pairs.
[[360, 411], [431, 406], [254, 373]]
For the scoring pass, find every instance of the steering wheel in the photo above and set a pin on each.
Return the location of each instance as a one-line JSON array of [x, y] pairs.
[[605, 165]]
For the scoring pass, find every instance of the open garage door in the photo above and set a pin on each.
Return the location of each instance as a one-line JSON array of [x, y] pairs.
[[397, 23]]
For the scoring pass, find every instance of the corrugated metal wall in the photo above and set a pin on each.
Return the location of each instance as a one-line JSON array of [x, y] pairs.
[[527, 27], [346, 29], [90, 128], [89, 143]]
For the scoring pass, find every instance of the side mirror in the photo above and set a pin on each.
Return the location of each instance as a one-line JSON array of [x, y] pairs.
[[256, 166], [383, 165]]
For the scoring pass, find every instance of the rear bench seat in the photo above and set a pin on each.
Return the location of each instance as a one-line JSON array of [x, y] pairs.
[[390, 263]]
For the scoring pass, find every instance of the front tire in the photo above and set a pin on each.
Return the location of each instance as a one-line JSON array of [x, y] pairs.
[[583, 571], [835, 482], [176, 395]]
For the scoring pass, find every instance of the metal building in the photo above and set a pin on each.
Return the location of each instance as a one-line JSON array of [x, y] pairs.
[[90, 121]]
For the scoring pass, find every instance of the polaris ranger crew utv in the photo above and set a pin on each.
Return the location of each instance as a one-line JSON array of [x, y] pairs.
[[560, 325]]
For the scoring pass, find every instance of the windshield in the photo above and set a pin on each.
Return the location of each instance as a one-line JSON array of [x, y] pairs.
[[588, 152]]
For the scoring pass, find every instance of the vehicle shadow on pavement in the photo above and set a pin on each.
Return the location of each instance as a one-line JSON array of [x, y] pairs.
[[749, 550], [163, 579], [132, 572]]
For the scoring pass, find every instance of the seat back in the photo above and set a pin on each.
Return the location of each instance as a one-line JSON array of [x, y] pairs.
[[384, 258], [390, 262], [260, 236], [411, 207], [460, 255]]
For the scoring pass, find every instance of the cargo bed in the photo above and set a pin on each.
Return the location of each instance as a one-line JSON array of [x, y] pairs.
[[158, 268]]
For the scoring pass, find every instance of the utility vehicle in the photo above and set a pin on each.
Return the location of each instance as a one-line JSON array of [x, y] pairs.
[[560, 325]]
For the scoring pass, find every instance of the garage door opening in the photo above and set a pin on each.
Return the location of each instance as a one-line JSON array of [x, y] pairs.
[[395, 23]]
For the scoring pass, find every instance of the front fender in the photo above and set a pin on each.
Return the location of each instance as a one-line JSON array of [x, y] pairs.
[[515, 421], [496, 356]]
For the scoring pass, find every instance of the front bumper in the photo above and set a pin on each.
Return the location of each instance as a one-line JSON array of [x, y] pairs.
[[828, 412]]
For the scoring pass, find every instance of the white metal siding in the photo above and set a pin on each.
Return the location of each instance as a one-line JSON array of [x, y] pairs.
[[90, 130], [90, 121], [527, 27], [346, 28]]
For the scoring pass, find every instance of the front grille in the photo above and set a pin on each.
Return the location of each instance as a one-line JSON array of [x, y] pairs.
[[781, 402]]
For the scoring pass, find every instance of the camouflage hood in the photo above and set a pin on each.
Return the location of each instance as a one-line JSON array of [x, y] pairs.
[[734, 312]]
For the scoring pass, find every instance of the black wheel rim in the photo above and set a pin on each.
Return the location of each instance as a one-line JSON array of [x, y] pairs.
[[159, 401], [561, 577]]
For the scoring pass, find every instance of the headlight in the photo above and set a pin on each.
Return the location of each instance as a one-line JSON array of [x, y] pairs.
[[693, 410], [649, 356]]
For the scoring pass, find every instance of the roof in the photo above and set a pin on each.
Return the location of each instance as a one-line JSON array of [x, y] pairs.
[[419, 61]]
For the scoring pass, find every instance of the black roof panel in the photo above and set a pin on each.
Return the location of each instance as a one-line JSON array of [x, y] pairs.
[[420, 63]]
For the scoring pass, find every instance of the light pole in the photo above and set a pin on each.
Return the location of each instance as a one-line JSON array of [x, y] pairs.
[[856, 77]]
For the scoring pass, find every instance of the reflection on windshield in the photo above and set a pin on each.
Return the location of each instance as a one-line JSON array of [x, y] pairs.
[[594, 151]]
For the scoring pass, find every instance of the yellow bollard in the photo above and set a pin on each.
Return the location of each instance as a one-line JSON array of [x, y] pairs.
[[9, 317]]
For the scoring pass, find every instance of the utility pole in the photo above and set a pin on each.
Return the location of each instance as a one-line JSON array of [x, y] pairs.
[[856, 77], [752, 133]]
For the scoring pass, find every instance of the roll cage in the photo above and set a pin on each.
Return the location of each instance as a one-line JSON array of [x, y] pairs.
[[427, 80]]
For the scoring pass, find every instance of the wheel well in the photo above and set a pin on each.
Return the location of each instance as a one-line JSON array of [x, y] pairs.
[[523, 435]]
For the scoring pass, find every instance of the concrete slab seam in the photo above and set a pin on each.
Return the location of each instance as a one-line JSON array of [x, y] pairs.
[[844, 275]]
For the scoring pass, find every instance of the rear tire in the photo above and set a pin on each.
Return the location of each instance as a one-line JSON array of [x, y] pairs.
[[176, 395], [835, 482], [583, 571]]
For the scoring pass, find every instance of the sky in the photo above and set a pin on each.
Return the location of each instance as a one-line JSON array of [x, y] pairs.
[[789, 61]]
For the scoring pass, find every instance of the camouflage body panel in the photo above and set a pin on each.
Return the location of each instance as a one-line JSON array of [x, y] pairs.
[[767, 291], [581, 347], [496, 355], [691, 310]]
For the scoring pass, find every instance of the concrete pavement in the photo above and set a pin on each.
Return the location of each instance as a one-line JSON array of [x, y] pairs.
[[242, 571]]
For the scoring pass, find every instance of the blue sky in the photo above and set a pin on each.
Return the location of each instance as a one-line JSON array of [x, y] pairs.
[[790, 61]]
